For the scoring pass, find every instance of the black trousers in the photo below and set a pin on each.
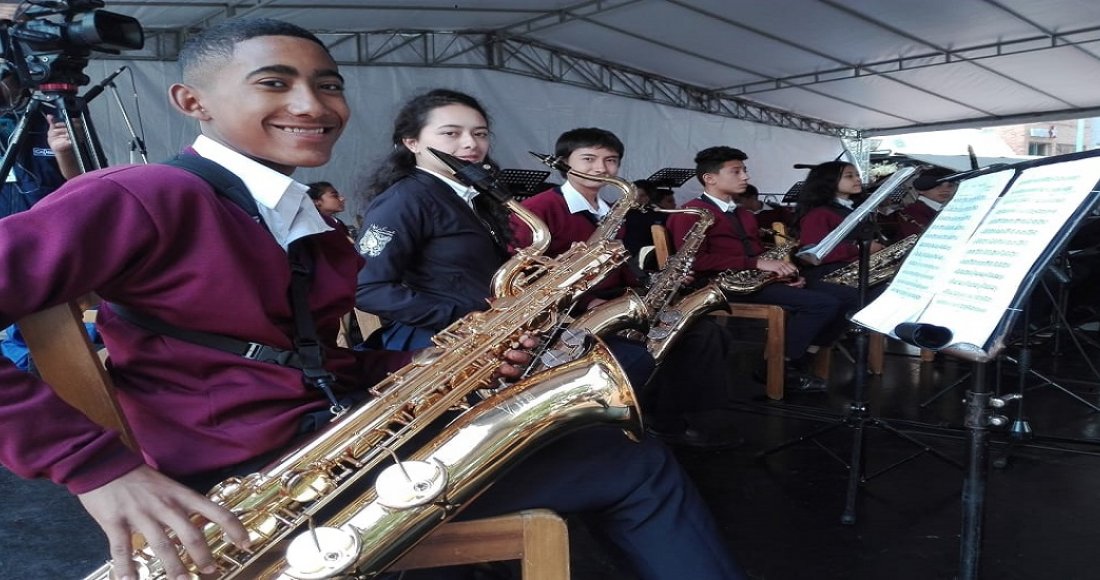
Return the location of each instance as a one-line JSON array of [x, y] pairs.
[[814, 316], [695, 375]]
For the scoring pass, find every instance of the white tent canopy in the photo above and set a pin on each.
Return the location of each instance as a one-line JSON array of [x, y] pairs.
[[669, 76]]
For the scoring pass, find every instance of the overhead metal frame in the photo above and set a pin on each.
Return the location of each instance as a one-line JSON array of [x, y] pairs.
[[511, 49], [513, 54]]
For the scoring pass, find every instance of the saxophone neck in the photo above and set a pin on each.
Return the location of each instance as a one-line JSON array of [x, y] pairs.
[[504, 280], [609, 226]]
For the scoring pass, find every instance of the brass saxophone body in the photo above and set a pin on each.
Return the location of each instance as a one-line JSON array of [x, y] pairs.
[[279, 499], [628, 311], [666, 317], [736, 282], [883, 265], [378, 527], [670, 316]]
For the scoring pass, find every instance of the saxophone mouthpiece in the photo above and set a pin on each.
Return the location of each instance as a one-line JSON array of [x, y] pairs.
[[477, 176], [453, 163], [553, 161]]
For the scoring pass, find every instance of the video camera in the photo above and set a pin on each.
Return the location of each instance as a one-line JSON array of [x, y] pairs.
[[41, 51]]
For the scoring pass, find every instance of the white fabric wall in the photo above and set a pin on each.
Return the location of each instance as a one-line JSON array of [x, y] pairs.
[[527, 115]]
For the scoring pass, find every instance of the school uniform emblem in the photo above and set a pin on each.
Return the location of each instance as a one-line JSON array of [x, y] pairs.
[[374, 240]]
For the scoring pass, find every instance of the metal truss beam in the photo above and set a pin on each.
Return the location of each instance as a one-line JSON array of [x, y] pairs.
[[511, 54], [1040, 42]]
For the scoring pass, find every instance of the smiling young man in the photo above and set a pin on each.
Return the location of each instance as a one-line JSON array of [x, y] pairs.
[[160, 242]]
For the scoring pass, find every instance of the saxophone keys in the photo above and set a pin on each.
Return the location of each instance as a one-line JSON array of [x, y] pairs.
[[410, 483], [306, 486], [321, 553]]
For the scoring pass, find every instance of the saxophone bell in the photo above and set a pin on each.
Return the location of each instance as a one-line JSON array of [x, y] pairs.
[[459, 461]]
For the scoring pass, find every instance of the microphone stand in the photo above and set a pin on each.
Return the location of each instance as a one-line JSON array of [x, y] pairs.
[[137, 144]]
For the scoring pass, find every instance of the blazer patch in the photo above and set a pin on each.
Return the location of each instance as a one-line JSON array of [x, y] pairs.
[[374, 240]]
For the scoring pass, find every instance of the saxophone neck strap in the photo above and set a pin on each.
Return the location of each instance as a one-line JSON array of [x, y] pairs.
[[308, 353]]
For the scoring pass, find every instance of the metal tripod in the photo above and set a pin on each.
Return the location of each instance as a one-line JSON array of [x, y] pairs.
[[858, 418], [72, 110]]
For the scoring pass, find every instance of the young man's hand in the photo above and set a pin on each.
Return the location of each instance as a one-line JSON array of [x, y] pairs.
[[783, 269], [517, 359], [146, 502]]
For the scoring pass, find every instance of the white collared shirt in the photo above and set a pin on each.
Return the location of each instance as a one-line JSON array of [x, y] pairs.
[[577, 203], [848, 203], [931, 203], [467, 193], [725, 206], [283, 203]]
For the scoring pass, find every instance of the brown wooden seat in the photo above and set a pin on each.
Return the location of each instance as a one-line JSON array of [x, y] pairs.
[[775, 341], [66, 360], [774, 316]]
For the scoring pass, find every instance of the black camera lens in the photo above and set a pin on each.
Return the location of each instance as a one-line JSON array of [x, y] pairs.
[[105, 30]]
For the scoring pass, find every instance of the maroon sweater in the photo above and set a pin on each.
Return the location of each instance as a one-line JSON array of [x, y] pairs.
[[566, 229], [161, 241], [919, 215], [723, 248], [817, 223]]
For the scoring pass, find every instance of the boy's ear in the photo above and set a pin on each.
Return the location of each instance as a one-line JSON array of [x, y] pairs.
[[188, 100]]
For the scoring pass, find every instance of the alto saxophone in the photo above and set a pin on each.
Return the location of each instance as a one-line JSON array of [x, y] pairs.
[[750, 280], [671, 316], [665, 320], [284, 496], [883, 265]]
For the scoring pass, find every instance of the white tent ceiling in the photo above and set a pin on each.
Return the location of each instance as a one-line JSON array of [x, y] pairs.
[[819, 65]]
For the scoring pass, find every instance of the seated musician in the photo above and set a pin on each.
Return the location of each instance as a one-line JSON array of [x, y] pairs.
[[698, 359], [637, 229], [432, 246], [825, 200], [767, 213], [931, 195], [268, 98], [815, 317]]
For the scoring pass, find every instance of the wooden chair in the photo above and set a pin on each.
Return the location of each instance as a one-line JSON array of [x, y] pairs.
[[774, 316], [66, 360]]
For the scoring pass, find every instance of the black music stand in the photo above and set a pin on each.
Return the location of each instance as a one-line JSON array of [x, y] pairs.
[[792, 194], [671, 176], [981, 403], [523, 181]]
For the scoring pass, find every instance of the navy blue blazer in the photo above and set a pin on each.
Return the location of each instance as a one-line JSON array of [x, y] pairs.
[[429, 257]]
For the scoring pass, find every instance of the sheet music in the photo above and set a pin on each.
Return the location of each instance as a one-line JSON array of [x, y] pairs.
[[923, 272], [969, 280], [1023, 222]]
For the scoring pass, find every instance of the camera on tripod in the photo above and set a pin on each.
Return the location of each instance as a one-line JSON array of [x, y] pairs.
[[46, 46], [42, 50]]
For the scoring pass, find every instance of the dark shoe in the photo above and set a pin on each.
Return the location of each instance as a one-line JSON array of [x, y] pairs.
[[692, 437], [799, 382]]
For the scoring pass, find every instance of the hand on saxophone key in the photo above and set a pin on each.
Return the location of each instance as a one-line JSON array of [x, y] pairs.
[[144, 501], [517, 359], [783, 269]]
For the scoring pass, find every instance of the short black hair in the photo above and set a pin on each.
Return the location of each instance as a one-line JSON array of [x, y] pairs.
[[750, 191], [574, 139], [711, 159], [317, 189], [218, 41]]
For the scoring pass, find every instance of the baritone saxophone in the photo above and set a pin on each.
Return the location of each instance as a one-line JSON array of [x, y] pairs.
[[329, 470], [411, 498]]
